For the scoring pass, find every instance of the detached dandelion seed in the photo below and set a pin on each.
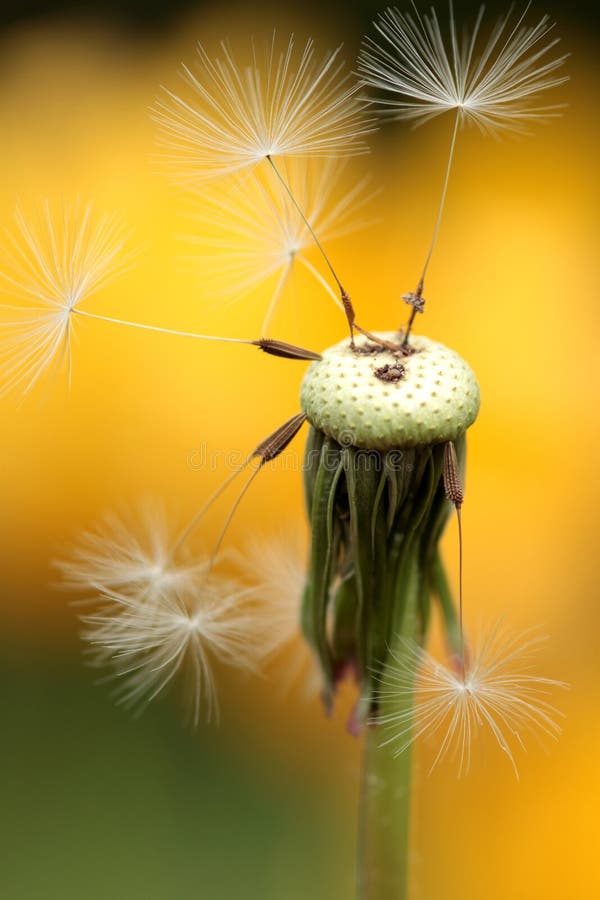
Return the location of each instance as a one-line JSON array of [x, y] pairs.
[[494, 87], [182, 631], [279, 107], [49, 272], [256, 235], [131, 555], [497, 692], [162, 609], [286, 102]]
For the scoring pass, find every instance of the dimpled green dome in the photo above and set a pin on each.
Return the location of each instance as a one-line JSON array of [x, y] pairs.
[[434, 397]]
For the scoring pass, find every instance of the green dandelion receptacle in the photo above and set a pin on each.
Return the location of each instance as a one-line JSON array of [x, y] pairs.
[[376, 399]]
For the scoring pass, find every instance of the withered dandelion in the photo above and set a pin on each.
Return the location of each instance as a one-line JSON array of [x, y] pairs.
[[497, 691], [387, 411]]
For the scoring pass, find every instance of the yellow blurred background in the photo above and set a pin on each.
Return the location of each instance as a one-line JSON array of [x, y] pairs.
[[98, 805]]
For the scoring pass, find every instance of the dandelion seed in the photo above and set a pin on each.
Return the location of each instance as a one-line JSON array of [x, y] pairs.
[[497, 693], [181, 632], [286, 103], [257, 234], [496, 87], [276, 568], [50, 270], [131, 556]]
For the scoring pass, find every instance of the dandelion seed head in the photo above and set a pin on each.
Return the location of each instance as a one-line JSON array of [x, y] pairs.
[[47, 270], [494, 83], [146, 642], [132, 555], [498, 692], [286, 102]]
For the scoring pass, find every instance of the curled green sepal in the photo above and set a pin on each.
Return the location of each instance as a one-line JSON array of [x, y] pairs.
[[376, 520], [325, 531]]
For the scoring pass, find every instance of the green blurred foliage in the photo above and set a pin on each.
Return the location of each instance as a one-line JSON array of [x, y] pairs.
[[99, 805]]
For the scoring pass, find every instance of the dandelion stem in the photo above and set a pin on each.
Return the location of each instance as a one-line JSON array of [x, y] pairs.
[[454, 491], [311, 231], [316, 274], [69, 351], [419, 292], [194, 522], [157, 328], [345, 297], [275, 298], [231, 514], [460, 590], [384, 828], [438, 220], [265, 451], [442, 589]]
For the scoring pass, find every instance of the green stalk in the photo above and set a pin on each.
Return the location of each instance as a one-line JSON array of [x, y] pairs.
[[384, 817]]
